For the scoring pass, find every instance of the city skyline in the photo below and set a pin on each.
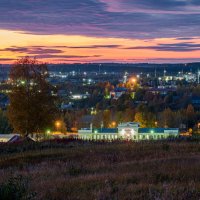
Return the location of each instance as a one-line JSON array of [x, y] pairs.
[[100, 31]]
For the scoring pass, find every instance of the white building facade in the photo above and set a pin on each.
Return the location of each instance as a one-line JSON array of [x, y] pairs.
[[128, 131]]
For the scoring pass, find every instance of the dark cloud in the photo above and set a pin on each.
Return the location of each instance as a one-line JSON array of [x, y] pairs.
[[94, 46], [148, 4], [7, 59], [32, 50], [165, 60], [53, 49], [153, 6], [176, 47], [16, 49], [103, 18], [47, 56], [185, 38], [40, 52]]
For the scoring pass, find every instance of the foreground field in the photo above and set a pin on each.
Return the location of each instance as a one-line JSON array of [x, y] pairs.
[[74, 170]]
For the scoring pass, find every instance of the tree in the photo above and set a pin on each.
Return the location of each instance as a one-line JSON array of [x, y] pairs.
[[146, 119], [139, 117], [32, 106], [191, 116], [5, 127], [97, 120], [106, 118], [168, 117]]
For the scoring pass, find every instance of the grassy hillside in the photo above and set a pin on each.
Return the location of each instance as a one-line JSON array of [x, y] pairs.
[[74, 170]]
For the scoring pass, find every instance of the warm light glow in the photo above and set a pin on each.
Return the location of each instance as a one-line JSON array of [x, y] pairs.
[[48, 131], [133, 80], [57, 124], [73, 48], [113, 124]]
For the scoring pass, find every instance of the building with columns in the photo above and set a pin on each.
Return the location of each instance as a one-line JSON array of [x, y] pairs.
[[128, 131]]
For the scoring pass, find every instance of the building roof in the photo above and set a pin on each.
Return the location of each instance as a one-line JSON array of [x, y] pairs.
[[105, 130], [9, 137], [120, 89], [156, 130]]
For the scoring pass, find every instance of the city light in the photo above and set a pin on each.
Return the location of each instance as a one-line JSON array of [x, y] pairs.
[[152, 131], [23, 82], [96, 131], [57, 124], [113, 124], [48, 131], [133, 80]]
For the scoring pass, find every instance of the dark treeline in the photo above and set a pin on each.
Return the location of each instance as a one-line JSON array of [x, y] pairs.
[[120, 67]]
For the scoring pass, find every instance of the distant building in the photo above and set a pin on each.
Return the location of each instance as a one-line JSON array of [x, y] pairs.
[[118, 92], [195, 101], [128, 131], [190, 77], [66, 107], [80, 96], [8, 137], [162, 90], [13, 138]]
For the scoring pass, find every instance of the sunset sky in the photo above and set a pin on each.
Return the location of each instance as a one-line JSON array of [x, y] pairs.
[[71, 31]]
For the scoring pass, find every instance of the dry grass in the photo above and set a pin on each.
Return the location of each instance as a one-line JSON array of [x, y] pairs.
[[105, 171]]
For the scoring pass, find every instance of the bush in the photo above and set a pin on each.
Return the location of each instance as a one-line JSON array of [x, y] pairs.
[[15, 189], [166, 147]]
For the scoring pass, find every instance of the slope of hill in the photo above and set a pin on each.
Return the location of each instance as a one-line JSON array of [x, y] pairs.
[[75, 170]]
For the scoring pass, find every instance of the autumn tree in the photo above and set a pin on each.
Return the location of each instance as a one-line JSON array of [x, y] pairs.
[[191, 116], [5, 127], [139, 117], [168, 118], [146, 119], [97, 120], [32, 106], [106, 118]]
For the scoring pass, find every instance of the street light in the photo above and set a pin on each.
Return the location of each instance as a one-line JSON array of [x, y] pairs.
[[133, 80], [57, 124], [113, 124]]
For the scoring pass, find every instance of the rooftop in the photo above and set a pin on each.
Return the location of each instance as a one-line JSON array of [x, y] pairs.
[[156, 130]]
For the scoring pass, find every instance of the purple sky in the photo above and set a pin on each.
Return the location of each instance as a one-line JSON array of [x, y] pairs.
[[115, 18], [130, 19]]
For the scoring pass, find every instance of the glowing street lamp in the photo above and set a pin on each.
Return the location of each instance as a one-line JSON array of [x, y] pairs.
[[57, 124], [133, 80], [48, 131], [113, 124], [23, 82]]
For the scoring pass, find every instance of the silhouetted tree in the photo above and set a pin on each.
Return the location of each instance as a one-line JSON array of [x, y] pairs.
[[5, 127], [32, 106], [190, 113]]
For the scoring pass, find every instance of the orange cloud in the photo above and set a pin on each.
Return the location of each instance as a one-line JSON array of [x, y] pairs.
[[75, 48]]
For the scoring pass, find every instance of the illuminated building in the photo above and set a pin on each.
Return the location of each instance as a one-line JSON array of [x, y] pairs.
[[128, 131], [118, 92]]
